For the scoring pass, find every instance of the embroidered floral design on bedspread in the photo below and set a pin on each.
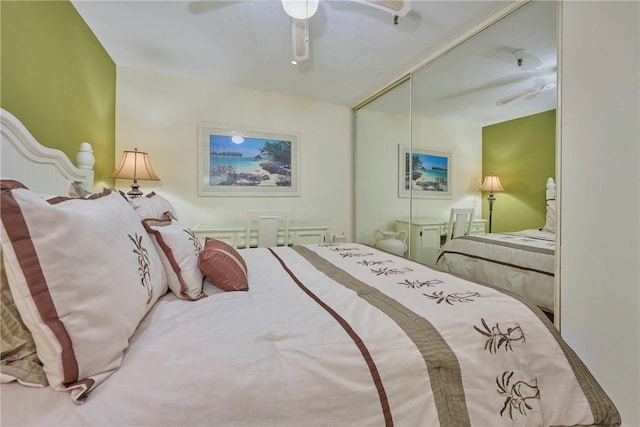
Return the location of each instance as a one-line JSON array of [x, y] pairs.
[[417, 284], [143, 264], [463, 297], [517, 394], [386, 271], [354, 254], [347, 252], [344, 249], [197, 246], [496, 338], [368, 263]]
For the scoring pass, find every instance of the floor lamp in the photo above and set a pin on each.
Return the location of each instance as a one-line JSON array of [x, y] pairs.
[[491, 184]]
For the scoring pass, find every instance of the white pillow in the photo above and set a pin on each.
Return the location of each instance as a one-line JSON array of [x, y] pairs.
[[83, 273], [550, 220], [153, 206], [179, 248]]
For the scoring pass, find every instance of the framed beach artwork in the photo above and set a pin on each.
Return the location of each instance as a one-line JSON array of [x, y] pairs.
[[241, 162], [423, 173]]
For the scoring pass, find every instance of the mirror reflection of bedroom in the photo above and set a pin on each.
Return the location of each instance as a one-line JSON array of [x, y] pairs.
[[476, 118]]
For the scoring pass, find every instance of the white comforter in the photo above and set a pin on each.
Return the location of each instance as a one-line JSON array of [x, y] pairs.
[[315, 345], [520, 262]]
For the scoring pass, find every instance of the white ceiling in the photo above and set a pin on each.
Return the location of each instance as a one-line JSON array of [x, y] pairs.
[[355, 49]]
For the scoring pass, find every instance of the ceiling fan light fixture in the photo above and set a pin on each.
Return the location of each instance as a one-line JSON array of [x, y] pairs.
[[300, 38], [300, 9]]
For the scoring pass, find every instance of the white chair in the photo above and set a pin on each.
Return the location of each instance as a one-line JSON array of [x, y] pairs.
[[459, 223], [269, 222]]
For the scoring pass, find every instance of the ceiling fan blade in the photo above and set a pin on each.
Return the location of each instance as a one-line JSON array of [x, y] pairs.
[[526, 92], [300, 36], [515, 96], [395, 7]]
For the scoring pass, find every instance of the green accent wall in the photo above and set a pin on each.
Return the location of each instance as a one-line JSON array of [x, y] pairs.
[[58, 80], [522, 154]]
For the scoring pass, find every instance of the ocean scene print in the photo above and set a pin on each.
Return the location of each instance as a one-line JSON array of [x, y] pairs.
[[251, 162], [429, 172]]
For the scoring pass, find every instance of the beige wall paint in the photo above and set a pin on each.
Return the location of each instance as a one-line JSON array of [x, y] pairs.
[[377, 201], [159, 114], [599, 230]]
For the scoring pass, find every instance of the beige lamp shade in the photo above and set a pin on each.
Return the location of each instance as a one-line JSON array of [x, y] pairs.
[[491, 184], [135, 165]]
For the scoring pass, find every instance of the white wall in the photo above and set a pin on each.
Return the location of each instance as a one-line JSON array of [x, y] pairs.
[[600, 194], [464, 142], [159, 114], [377, 201]]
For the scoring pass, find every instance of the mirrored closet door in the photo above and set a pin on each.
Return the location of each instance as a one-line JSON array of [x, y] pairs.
[[485, 107]]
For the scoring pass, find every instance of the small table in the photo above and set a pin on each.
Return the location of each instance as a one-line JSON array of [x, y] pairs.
[[235, 234], [426, 236]]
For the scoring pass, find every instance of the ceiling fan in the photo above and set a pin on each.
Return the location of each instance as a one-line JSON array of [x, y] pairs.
[[301, 10]]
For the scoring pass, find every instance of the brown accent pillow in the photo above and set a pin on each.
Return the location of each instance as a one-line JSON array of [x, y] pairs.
[[223, 265]]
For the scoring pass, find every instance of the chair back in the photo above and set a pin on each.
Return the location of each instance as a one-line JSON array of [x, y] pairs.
[[459, 223], [265, 225]]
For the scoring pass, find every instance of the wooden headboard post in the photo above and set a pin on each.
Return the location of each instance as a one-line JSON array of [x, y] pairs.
[[39, 168]]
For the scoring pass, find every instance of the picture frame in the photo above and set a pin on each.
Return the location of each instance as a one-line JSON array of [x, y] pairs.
[[247, 162], [429, 175]]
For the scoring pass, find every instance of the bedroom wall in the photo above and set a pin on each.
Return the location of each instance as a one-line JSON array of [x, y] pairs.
[[58, 80], [522, 153], [377, 200], [159, 114], [600, 194]]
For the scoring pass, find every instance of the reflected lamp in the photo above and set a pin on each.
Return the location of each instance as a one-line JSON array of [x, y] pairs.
[[491, 184]]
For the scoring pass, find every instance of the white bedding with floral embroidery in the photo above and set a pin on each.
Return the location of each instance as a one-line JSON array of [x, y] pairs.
[[332, 335], [522, 262]]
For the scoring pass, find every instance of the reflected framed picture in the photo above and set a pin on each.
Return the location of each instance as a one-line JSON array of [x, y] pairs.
[[424, 173], [247, 162]]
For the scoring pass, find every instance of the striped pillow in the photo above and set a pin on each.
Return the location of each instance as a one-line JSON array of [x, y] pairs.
[[223, 265], [19, 361]]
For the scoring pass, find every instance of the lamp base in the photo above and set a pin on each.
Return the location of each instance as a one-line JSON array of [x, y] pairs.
[[491, 199], [135, 191]]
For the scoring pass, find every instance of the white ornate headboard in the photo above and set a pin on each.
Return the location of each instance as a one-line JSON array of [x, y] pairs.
[[551, 189], [40, 168]]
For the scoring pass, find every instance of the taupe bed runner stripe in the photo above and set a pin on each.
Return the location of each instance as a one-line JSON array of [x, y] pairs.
[[442, 364]]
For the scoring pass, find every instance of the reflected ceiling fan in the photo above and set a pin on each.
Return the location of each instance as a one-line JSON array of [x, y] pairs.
[[301, 10], [540, 87]]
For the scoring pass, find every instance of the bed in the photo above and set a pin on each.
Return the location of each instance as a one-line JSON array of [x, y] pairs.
[[522, 261], [315, 335]]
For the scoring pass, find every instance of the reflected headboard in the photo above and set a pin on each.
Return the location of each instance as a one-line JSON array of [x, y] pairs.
[[39, 168], [551, 189]]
